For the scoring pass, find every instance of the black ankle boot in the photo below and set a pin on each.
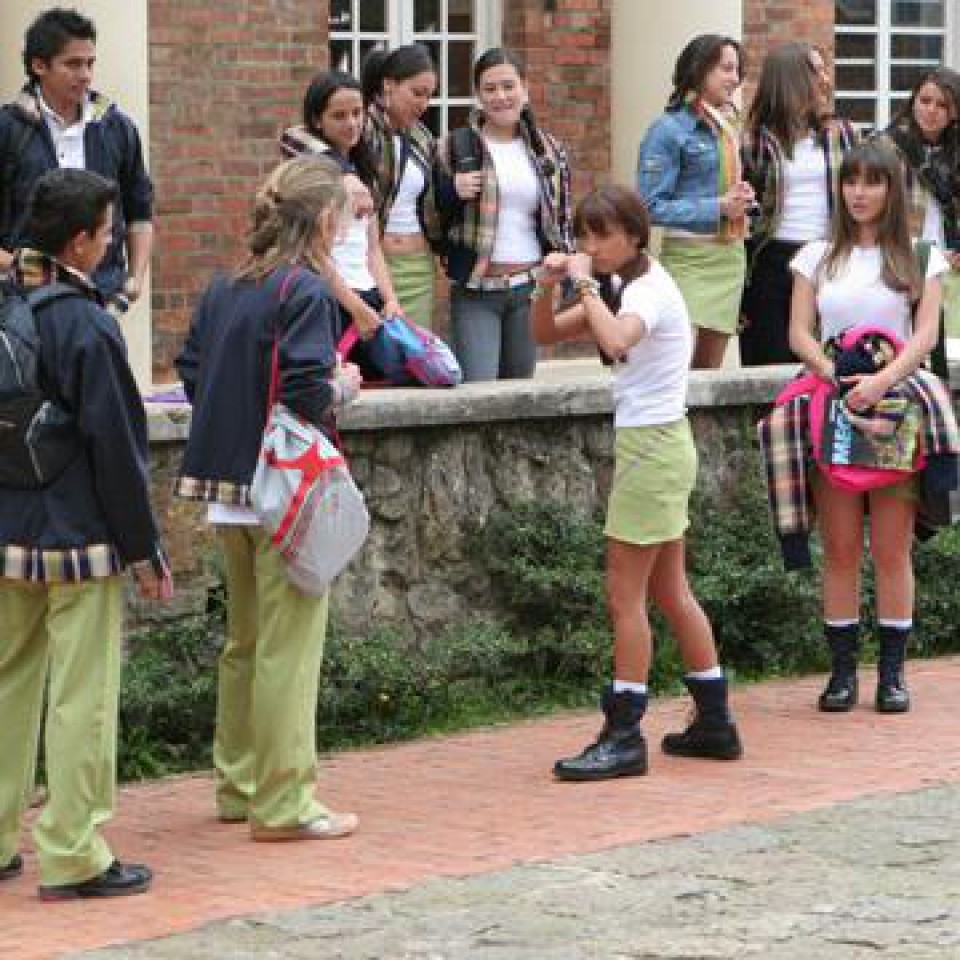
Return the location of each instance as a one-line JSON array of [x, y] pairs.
[[713, 734], [892, 693], [840, 693], [620, 750]]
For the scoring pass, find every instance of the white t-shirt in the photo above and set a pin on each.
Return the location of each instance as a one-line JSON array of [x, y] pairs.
[[349, 253], [806, 209], [403, 218], [857, 295], [932, 230], [650, 385], [518, 189]]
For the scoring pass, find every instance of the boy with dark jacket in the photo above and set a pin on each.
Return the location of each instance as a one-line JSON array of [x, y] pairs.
[[58, 121], [63, 549]]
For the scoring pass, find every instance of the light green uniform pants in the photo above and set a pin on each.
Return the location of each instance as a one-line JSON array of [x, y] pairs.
[[951, 303], [264, 748], [73, 633], [413, 280]]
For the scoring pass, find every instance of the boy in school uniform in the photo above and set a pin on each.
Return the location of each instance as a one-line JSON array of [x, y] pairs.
[[63, 549]]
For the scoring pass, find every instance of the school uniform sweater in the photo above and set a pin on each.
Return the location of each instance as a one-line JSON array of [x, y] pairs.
[[225, 368], [95, 518]]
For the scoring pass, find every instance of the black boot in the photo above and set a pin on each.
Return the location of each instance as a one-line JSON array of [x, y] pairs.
[[713, 734], [620, 750], [840, 693], [892, 694]]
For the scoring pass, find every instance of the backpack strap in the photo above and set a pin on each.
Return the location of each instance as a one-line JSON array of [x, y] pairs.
[[44, 296], [464, 143], [938, 355]]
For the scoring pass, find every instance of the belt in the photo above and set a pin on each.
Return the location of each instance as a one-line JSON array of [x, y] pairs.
[[507, 281]]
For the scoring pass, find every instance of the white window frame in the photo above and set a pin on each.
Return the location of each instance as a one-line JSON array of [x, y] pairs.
[[488, 23], [883, 30]]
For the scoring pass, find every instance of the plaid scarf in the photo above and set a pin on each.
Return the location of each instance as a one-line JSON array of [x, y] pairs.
[[724, 124], [417, 143], [478, 227], [32, 269]]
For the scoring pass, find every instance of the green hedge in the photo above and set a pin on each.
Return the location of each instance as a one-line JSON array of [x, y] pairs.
[[551, 648]]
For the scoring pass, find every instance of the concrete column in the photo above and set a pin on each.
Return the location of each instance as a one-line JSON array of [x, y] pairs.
[[646, 37], [122, 74]]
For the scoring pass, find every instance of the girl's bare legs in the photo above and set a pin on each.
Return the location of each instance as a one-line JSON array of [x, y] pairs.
[[709, 348]]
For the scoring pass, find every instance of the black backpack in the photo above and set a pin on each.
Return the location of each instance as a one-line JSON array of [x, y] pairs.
[[466, 153], [38, 437]]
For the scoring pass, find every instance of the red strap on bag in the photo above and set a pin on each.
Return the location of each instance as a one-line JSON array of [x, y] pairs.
[[275, 356]]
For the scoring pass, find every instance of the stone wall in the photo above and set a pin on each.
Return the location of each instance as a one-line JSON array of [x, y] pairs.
[[434, 464]]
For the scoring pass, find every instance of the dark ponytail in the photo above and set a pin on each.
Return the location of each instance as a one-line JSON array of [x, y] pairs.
[[398, 65]]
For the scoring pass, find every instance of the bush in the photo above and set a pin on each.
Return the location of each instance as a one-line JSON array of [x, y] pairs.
[[551, 648]]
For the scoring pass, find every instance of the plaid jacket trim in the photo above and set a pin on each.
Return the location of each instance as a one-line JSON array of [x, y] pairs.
[[35, 565], [785, 448], [765, 163], [478, 227], [379, 135], [212, 491]]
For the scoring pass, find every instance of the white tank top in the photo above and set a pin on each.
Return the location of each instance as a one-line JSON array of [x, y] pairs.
[[349, 254], [402, 217], [516, 238]]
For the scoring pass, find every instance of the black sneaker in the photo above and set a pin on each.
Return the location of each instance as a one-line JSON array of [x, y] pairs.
[[118, 880], [13, 869]]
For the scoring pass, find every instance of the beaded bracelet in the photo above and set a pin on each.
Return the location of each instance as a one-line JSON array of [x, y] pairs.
[[586, 286]]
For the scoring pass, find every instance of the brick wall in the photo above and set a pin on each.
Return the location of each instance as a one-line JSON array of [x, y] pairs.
[[566, 44], [224, 79], [770, 23]]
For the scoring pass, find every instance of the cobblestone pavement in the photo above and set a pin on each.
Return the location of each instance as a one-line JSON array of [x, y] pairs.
[[483, 802], [876, 878]]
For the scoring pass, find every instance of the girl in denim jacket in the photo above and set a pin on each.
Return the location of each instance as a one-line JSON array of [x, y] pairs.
[[690, 176]]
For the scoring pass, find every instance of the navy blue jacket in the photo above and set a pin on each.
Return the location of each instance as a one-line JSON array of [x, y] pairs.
[[112, 148], [95, 517], [225, 369]]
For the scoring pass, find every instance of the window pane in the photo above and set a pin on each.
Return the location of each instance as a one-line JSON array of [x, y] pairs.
[[460, 16], [432, 119], [903, 77], [373, 15], [459, 68], [340, 18], [857, 111], [918, 13], [856, 46], [857, 13], [435, 48], [896, 103], [365, 47], [426, 16], [861, 77], [916, 48], [457, 116], [340, 55]]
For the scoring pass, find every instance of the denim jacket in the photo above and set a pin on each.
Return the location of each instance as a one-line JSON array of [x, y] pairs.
[[678, 172]]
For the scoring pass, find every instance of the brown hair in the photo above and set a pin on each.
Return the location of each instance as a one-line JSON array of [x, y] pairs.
[[786, 98], [287, 215], [877, 162], [615, 206], [696, 60]]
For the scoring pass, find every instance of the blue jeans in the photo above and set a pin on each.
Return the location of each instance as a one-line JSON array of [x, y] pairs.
[[490, 330]]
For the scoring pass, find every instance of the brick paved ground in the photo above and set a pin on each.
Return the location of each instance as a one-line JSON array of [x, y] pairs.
[[483, 801]]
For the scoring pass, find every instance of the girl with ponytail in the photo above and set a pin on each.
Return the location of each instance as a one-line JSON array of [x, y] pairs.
[[264, 747], [508, 185]]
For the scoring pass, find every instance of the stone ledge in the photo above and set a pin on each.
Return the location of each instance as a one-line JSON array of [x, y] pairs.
[[562, 388]]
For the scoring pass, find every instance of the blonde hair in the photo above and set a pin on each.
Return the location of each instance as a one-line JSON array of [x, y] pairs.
[[288, 214]]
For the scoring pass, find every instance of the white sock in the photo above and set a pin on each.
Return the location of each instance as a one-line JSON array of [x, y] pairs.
[[622, 686], [842, 623], [714, 673], [896, 624]]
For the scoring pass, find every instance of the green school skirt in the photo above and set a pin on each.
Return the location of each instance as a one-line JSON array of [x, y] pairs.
[[412, 275], [654, 475], [710, 277]]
